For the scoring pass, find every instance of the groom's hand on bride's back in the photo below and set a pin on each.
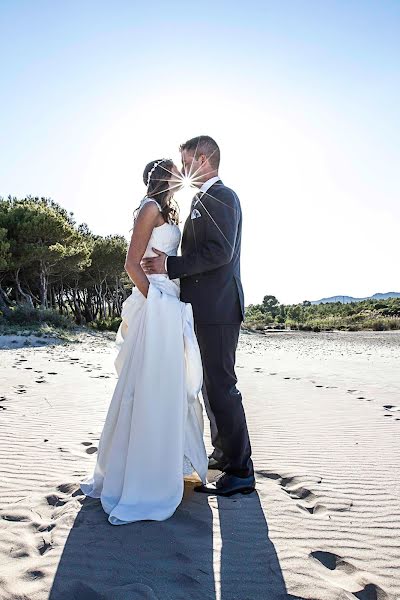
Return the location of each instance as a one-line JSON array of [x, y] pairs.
[[155, 265]]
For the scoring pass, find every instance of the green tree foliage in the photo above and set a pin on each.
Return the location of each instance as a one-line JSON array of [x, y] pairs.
[[368, 314], [4, 260], [47, 261], [261, 315], [271, 305], [4, 249]]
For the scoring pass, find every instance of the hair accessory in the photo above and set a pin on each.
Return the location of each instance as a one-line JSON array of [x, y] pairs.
[[156, 164]]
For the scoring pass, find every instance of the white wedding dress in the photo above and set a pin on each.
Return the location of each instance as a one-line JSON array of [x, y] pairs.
[[153, 432]]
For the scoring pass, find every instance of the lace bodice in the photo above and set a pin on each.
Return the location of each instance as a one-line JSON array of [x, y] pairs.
[[165, 238]]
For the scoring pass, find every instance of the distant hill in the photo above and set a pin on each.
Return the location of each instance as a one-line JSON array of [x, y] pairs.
[[348, 299]]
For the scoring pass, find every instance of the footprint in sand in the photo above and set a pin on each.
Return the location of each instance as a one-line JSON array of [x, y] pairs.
[[68, 488], [391, 407], [21, 389], [16, 515], [345, 575], [328, 559], [371, 592], [55, 500], [44, 546], [44, 527], [60, 501], [42, 530], [358, 397], [91, 449], [34, 574], [305, 499]]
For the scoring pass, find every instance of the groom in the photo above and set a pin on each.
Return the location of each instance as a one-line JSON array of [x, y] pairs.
[[209, 272]]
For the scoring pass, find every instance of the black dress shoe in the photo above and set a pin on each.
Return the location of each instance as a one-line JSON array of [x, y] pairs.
[[227, 485], [214, 464]]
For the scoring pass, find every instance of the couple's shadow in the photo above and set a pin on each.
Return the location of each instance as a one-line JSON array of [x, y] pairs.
[[211, 548]]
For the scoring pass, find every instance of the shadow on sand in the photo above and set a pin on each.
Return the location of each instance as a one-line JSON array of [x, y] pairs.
[[175, 559]]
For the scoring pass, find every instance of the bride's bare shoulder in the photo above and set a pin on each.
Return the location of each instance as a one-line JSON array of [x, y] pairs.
[[149, 209], [150, 202], [147, 216]]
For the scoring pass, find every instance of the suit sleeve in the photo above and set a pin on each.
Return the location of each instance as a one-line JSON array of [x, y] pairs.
[[221, 214]]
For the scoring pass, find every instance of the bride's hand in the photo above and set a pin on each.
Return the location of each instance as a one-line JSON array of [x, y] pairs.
[[156, 265]]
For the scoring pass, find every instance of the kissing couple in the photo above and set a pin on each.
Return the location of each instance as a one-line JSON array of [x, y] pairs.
[[178, 337]]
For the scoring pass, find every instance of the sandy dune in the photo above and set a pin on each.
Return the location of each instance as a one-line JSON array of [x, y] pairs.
[[324, 419]]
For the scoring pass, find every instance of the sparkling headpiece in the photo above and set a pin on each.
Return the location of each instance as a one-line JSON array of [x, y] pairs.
[[156, 164]]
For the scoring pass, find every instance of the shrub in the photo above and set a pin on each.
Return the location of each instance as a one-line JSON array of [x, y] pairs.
[[108, 324], [27, 316]]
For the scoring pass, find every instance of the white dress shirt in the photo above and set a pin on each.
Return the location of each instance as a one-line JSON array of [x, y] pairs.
[[204, 188]]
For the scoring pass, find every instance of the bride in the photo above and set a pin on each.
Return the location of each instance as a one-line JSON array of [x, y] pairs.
[[153, 433]]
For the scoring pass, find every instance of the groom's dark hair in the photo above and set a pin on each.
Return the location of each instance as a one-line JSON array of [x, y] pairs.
[[204, 144]]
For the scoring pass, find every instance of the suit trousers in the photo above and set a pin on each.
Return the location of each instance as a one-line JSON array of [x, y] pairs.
[[222, 399]]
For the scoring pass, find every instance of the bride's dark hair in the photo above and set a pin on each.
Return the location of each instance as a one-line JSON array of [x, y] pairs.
[[157, 181]]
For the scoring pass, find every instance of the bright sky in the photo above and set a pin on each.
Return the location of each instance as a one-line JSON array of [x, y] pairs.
[[302, 96]]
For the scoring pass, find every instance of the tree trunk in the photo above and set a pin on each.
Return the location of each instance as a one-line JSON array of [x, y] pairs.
[[78, 314], [4, 308], [25, 296], [35, 299], [43, 287], [52, 297], [60, 299], [88, 308]]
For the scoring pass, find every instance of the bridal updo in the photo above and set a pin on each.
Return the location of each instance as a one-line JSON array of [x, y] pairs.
[[157, 177]]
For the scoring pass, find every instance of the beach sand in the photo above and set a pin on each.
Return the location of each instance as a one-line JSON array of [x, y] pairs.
[[324, 417]]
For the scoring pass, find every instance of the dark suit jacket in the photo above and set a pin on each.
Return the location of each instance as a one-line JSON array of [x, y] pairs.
[[209, 268]]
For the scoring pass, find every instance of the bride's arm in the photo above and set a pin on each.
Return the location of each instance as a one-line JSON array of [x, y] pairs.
[[142, 230]]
